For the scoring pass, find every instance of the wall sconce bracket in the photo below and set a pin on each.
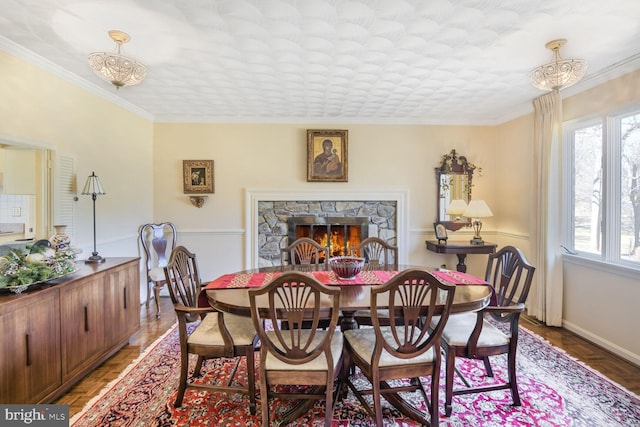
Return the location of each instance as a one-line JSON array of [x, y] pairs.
[[197, 201]]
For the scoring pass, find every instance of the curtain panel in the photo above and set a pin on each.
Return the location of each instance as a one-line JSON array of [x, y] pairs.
[[546, 301]]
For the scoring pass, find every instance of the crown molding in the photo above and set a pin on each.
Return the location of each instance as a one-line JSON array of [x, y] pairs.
[[20, 52]]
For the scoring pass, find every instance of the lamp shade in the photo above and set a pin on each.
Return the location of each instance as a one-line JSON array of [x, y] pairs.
[[93, 185], [456, 207], [477, 209]]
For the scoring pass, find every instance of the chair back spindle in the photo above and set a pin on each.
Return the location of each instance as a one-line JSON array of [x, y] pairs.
[[306, 254], [378, 254], [415, 298]]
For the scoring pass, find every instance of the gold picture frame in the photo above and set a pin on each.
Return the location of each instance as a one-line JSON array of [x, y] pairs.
[[327, 155], [197, 176]]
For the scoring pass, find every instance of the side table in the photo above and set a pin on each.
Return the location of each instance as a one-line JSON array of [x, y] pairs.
[[461, 249]]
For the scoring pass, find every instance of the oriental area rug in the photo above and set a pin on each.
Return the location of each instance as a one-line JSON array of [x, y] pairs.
[[555, 389]]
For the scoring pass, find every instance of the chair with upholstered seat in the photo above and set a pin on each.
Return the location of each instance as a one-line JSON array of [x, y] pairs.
[[404, 350], [306, 254], [158, 240], [472, 336], [217, 335], [301, 355], [378, 255]]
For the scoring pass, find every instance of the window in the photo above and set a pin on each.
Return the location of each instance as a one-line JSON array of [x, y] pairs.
[[602, 176]]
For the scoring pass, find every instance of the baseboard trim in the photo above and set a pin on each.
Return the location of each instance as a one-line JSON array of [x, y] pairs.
[[608, 345]]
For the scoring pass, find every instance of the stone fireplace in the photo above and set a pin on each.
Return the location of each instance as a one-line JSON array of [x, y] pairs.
[[276, 218], [281, 222]]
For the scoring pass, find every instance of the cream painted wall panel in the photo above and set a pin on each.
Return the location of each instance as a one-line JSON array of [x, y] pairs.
[[218, 252], [45, 110], [274, 157], [589, 291], [515, 204], [613, 95]]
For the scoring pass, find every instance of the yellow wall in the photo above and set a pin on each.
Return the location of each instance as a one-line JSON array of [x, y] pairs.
[[274, 156], [611, 96], [513, 185], [42, 109]]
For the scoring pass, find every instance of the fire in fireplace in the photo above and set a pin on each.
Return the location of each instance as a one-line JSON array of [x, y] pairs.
[[339, 233]]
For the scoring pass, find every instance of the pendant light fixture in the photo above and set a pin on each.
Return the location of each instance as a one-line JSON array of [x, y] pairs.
[[559, 73], [115, 68]]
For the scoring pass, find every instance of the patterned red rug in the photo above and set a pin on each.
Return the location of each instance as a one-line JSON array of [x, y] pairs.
[[555, 389]]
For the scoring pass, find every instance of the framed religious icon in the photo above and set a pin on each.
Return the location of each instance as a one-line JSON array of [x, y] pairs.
[[441, 232], [197, 176], [327, 159]]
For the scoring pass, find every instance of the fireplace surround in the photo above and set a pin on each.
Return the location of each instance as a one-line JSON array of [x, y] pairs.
[[267, 213]]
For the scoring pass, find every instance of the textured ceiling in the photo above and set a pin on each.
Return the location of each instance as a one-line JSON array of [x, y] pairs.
[[333, 61]]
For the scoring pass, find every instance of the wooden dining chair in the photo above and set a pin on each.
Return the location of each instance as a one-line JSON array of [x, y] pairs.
[[306, 254], [158, 240], [404, 350], [473, 336], [378, 255], [299, 356], [217, 335]]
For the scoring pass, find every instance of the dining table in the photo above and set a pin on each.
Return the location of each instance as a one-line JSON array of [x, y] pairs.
[[228, 293]]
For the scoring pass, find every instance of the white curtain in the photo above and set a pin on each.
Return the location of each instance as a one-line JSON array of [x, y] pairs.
[[545, 300]]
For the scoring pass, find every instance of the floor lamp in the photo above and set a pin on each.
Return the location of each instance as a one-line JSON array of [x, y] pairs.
[[93, 187]]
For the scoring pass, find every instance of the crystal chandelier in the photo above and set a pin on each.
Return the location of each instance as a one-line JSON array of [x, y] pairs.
[[116, 68], [559, 73]]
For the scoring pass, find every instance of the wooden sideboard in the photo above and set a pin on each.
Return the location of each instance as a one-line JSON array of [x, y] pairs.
[[52, 337]]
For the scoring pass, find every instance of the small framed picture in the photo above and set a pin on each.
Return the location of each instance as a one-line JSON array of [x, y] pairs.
[[441, 232], [327, 155], [197, 176]]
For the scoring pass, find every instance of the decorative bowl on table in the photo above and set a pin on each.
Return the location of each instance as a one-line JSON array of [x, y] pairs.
[[346, 267]]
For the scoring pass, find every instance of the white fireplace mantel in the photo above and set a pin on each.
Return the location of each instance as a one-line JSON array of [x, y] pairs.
[[255, 196]]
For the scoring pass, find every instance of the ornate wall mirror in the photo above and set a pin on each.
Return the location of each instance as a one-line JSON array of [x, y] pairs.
[[454, 180]]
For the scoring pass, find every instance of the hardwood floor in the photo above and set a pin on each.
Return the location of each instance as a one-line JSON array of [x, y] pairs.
[[619, 370]]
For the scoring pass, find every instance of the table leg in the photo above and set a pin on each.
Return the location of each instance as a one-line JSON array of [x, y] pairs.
[[348, 321], [461, 267]]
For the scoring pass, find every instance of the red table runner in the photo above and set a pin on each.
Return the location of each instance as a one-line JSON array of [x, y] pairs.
[[375, 277], [457, 278]]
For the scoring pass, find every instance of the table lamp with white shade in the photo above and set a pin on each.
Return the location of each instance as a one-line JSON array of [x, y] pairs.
[[475, 210], [456, 209]]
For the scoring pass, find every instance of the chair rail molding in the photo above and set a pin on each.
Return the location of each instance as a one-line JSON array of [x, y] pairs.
[[255, 196]]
